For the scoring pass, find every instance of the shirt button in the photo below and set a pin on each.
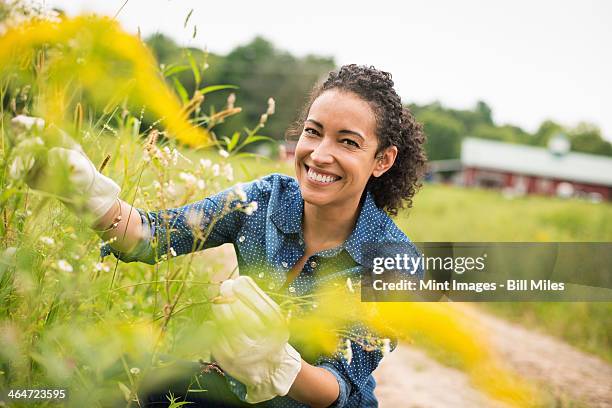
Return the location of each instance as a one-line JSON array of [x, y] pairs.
[[285, 264], [291, 289], [301, 241], [242, 238], [313, 264]]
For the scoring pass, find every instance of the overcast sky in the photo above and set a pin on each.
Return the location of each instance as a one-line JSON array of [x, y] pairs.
[[529, 60]]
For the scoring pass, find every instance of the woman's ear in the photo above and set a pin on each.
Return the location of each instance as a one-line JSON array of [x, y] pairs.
[[384, 161]]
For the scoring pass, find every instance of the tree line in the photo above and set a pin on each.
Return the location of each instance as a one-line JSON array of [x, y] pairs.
[[261, 71]]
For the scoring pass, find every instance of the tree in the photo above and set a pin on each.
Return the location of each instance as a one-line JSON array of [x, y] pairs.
[[587, 138], [485, 112], [547, 129], [444, 135], [261, 71]]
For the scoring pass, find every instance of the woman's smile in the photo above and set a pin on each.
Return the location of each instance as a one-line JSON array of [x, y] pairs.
[[320, 177]]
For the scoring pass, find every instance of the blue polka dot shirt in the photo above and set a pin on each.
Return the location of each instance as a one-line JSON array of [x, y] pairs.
[[271, 236]]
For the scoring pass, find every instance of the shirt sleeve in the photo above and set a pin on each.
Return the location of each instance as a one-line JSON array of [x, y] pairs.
[[353, 365], [207, 223]]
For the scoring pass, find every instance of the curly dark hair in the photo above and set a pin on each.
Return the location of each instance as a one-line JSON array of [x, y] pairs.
[[395, 126]]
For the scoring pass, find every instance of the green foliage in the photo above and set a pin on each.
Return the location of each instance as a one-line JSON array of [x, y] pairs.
[[444, 134], [587, 138], [506, 133], [445, 129]]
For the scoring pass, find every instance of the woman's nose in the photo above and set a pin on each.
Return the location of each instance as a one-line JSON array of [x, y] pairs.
[[322, 153]]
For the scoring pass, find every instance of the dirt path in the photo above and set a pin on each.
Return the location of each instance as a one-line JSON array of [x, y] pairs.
[[408, 378]]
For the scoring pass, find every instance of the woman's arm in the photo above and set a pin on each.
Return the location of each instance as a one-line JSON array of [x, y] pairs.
[[129, 229], [315, 386]]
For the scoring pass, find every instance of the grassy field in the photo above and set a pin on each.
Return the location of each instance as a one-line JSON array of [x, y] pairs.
[[444, 213]]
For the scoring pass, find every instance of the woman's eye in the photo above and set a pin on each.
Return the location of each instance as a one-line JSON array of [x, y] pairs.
[[349, 142], [311, 131]]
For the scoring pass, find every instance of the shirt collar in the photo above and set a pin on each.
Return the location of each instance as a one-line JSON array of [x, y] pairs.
[[369, 227]]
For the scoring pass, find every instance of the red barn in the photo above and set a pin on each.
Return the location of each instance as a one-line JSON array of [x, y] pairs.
[[523, 169]]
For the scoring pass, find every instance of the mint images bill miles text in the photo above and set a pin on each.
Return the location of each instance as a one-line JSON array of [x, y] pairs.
[[433, 285]]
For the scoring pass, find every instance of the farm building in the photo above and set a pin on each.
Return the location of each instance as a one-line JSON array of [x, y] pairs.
[[522, 169]]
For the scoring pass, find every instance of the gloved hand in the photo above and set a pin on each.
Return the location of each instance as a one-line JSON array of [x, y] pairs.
[[97, 192], [252, 340]]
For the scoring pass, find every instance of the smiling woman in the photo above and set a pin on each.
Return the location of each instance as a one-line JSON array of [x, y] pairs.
[[363, 109], [358, 160]]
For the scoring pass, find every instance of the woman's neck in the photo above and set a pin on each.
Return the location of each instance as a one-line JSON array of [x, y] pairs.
[[328, 227]]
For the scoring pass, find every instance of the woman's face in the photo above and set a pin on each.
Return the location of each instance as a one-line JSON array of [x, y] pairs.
[[335, 155]]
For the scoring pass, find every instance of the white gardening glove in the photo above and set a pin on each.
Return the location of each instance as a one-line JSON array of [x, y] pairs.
[[97, 192], [252, 340], [23, 122]]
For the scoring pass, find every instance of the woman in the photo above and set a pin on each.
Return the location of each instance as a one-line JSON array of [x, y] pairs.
[[358, 159]]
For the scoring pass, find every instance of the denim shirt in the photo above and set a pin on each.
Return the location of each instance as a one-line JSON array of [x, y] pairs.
[[272, 237]]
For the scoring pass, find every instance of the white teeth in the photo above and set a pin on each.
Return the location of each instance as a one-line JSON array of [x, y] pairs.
[[320, 177]]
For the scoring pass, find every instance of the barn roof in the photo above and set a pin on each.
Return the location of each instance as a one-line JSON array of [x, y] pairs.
[[536, 161]]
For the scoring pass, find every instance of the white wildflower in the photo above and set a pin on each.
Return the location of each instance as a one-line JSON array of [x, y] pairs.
[[348, 351], [223, 154], [188, 178], [251, 208], [99, 267], [205, 163], [228, 172], [263, 119], [135, 370], [201, 184], [271, 106], [231, 100], [63, 265], [216, 170], [170, 189], [239, 191], [156, 185], [47, 240], [194, 218], [146, 157], [386, 347], [174, 156], [349, 285]]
